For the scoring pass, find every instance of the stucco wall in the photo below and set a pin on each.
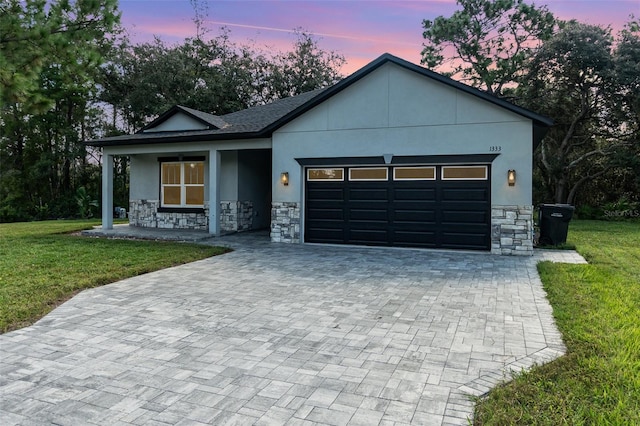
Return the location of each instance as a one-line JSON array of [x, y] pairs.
[[395, 111], [229, 175], [144, 177], [178, 122]]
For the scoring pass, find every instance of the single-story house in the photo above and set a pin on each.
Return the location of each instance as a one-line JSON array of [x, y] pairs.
[[393, 155]]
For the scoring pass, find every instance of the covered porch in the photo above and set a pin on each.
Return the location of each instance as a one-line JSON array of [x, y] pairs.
[[215, 188]]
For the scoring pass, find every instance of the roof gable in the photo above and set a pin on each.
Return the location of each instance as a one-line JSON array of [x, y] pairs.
[[537, 119], [181, 118]]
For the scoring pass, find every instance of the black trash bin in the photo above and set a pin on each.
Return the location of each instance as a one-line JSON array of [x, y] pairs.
[[553, 220]]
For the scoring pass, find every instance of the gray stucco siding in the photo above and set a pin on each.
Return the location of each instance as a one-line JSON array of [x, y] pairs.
[[144, 177], [514, 138], [178, 122], [395, 97], [395, 111], [228, 175]]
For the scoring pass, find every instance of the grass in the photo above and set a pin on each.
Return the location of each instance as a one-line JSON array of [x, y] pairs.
[[597, 309], [42, 265]]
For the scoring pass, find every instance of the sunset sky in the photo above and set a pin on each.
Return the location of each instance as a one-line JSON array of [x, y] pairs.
[[361, 30]]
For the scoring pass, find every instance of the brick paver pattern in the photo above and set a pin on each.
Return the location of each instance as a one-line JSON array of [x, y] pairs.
[[285, 334]]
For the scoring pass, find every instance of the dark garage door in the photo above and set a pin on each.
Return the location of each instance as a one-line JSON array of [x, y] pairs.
[[407, 206]]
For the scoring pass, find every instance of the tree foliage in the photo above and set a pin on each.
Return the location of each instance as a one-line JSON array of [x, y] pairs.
[[69, 74], [569, 79], [37, 34], [217, 76], [586, 85], [305, 67], [486, 42], [51, 52]]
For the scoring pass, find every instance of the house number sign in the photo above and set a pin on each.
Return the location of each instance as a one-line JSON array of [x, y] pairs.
[[495, 148]]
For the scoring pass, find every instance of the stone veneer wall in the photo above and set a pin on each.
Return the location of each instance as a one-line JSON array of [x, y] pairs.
[[144, 213], [512, 230], [236, 216], [285, 222]]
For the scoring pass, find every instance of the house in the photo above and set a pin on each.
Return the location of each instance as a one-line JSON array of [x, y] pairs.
[[392, 155]]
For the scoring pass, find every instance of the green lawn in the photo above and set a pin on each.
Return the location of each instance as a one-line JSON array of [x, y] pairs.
[[40, 266], [597, 309]]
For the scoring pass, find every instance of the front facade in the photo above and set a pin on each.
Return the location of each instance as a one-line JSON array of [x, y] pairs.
[[394, 155]]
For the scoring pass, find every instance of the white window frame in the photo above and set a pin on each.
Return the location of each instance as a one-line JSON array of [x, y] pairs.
[[310, 179], [414, 167], [386, 174], [486, 172], [182, 185]]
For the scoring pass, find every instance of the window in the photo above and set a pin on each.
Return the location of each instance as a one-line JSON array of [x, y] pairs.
[[182, 184], [325, 174], [464, 173], [369, 174], [414, 173]]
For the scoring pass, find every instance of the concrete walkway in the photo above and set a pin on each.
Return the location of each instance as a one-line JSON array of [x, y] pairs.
[[284, 334]]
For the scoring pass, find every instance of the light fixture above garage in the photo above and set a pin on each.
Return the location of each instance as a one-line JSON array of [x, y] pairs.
[[511, 177], [284, 178]]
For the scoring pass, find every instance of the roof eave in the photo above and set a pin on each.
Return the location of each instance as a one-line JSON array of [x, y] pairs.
[[173, 139]]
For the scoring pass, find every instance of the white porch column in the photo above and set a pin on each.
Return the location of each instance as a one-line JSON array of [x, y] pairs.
[[214, 193], [107, 191]]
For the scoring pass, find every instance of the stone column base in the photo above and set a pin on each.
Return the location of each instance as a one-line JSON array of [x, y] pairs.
[[236, 216], [512, 230], [285, 222]]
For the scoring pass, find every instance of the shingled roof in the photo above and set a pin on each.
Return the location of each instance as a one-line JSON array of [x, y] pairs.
[[261, 121], [245, 124]]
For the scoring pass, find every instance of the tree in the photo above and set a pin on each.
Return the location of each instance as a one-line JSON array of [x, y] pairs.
[[625, 105], [35, 30], [50, 53], [304, 68], [572, 79], [487, 42], [215, 76]]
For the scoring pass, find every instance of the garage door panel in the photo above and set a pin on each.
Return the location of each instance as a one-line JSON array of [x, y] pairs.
[[368, 236], [459, 240], [323, 213], [415, 238], [326, 194], [465, 194], [325, 234], [418, 194], [425, 215], [462, 217], [368, 214], [326, 224], [366, 194]]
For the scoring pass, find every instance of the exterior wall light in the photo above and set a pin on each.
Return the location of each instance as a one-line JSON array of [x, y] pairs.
[[284, 178], [511, 177]]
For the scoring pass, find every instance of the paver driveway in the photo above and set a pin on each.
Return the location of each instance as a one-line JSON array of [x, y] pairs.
[[283, 334]]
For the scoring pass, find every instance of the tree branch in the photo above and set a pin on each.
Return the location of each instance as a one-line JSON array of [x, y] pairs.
[[581, 181]]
